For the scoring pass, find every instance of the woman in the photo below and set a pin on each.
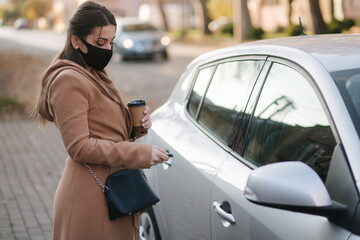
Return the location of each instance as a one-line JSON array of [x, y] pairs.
[[95, 126]]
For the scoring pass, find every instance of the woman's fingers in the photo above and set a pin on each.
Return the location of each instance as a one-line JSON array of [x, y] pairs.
[[158, 155], [146, 120], [147, 110]]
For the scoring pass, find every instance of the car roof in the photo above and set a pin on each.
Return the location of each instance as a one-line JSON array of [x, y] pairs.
[[334, 51]]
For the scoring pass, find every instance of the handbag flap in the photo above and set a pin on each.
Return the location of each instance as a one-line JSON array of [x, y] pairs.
[[128, 192]]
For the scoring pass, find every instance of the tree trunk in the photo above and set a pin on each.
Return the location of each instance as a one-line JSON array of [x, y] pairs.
[[319, 25], [163, 14], [202, 13], [340, 9], [205, 16], [242, 22], [290, 11]]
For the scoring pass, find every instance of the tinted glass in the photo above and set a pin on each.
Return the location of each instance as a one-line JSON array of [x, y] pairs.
[[289, 123], [353, 89], [348, 82], [227, 96], [199, 89]]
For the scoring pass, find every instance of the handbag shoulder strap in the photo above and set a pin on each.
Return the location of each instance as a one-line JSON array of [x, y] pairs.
[[104, 188]]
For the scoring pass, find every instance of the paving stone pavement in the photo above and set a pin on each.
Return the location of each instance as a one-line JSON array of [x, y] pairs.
[[31, 163]]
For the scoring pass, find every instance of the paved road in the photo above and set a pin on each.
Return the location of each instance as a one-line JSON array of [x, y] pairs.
[[32, 160], [151, 80]]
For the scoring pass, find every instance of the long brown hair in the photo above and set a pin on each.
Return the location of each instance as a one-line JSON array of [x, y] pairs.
[[88, 16]]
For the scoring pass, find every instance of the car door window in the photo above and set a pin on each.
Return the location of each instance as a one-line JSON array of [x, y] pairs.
[[289, 123], [348, 82], [227, 95], [199, 89]]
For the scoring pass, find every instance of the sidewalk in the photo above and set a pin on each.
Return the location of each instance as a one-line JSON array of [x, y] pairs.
[[31, 162]]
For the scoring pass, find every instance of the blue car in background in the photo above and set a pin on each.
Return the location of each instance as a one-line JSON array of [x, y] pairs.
[[138, 39]]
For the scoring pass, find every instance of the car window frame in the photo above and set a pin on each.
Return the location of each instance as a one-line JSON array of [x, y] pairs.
[[216, 63], [190, 90], [254, 96], [307, 76], [316, 89], [255, 93]]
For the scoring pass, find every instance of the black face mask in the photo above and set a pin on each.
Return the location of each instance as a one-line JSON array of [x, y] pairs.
[[96, 57]]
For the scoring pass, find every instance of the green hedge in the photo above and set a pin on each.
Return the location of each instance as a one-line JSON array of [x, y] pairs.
[[336, 26], [9, 105]]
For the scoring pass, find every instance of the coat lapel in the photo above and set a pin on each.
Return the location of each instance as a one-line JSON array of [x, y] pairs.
[[101, 80]]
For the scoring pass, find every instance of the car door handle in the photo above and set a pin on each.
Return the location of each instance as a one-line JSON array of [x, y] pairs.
[[223, 214], [167, 163]]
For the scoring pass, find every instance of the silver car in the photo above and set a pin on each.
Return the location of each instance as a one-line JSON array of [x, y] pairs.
[[138, 39], [265, 138]]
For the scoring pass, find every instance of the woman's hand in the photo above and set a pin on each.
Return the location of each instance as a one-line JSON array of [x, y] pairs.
[[158, 155], [146, 120], [145, 124]]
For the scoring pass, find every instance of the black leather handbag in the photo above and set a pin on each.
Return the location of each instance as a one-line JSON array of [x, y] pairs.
[[126, 192]]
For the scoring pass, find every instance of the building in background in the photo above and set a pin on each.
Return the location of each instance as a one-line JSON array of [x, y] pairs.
[[271, 14], [64, 9], [179, 14], [266, 14]]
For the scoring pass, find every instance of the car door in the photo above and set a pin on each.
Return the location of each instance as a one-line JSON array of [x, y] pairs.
[[289, 123], [207, 122], [230, 212], [184, 183]]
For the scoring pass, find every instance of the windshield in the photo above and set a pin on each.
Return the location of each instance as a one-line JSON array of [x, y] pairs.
[[348, 82], [138, 27]]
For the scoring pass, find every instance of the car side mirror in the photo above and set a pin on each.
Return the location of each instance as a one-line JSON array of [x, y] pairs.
[[291, 186]]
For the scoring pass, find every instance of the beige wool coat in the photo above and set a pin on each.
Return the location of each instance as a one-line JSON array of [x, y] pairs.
[[95, 127]]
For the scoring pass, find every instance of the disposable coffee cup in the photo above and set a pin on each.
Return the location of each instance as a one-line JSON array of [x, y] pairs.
[[137, 108]]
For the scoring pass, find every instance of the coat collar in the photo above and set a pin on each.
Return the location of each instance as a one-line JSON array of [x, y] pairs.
[[98, 77]]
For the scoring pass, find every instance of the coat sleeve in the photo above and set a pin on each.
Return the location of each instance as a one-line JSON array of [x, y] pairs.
[[70, 104]]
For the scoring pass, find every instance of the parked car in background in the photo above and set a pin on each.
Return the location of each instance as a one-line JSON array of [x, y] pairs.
[[22, 23], [265, 138], [138, 39]]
